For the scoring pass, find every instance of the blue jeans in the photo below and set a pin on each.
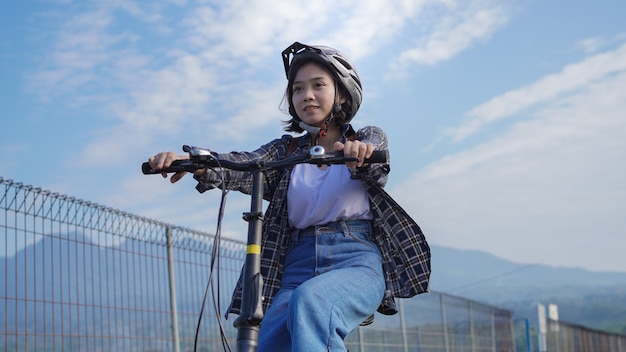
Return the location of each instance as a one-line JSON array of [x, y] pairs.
[[332, 281]]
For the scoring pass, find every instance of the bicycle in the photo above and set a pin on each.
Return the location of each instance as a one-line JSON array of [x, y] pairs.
[[251, 315]]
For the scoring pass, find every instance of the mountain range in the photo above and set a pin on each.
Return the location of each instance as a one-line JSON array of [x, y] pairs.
[[594, 299]]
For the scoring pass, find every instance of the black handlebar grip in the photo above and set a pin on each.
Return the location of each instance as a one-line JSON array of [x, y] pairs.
[[176, 166], [146, 169], [377, 157]]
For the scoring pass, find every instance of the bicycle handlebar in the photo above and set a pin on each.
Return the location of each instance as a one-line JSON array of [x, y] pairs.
[[202, 158]]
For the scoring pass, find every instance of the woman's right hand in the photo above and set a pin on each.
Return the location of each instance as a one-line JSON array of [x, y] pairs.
[[164, 160]]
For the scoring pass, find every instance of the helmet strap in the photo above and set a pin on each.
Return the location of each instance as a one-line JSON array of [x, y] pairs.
[[311, 129], [331, 116], [317, 131]]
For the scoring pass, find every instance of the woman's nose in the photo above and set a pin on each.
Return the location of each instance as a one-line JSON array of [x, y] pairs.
[[308, 94]]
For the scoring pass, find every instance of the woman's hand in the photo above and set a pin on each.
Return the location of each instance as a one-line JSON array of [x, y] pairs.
[[355, 149], [164, 160]]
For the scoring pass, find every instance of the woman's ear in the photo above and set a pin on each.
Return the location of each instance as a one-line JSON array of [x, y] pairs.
[[342, 95], [337, 105]]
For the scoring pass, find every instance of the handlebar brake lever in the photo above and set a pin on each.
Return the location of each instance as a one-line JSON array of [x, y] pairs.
[[198, 154], [319, 156]]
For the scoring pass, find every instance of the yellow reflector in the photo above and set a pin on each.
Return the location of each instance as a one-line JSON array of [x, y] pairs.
[[253, 249]]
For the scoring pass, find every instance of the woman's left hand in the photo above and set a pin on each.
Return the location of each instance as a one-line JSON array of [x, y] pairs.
[[355, 149]]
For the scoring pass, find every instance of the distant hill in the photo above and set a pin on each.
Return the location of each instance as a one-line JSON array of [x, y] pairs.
[[589, 298], [485, 277]]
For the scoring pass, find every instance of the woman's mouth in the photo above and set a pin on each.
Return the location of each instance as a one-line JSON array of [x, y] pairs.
[[309, 108]]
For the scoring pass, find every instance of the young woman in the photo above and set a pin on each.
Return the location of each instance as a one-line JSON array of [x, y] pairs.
[[336, 247]]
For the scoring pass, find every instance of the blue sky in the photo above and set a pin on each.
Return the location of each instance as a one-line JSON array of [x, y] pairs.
[[506, 119]]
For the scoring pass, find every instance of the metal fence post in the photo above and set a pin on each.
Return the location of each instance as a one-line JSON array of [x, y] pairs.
[[527, 335], [444, 323], [494, 336], [405, 340], [541, 339], [172, 283], [361, 342], [470, 307]]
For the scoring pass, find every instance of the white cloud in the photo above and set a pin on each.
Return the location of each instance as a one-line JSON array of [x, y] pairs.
[[255, 109], [450, 27], [594, 44], [572, 77], [370, 25], [551, 189], [77, 48], [250, 31], [590, 45], [171, 95]]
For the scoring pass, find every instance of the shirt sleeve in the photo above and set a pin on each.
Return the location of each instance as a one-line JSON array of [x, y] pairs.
[[373, 173]]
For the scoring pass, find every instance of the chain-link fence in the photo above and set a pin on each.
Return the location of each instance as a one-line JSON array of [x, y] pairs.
[[438, 322], [564, 336], [78, 276]]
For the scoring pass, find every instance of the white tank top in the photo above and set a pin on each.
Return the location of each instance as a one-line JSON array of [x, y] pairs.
[[319, 196]]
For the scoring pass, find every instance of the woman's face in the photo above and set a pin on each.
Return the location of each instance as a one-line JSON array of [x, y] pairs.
[[313, 94]]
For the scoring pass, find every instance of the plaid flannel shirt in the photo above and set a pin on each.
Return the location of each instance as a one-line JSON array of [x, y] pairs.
[[406, 254]]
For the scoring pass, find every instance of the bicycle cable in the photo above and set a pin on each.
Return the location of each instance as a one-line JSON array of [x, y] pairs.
[[215, 263]]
